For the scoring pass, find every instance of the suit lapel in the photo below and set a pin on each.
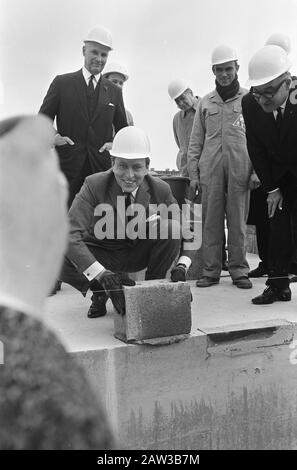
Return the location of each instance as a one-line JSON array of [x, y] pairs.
[[103, 98], [143, 196], [81, 86], [289, 118]]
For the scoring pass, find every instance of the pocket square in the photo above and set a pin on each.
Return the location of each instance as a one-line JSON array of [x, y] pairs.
[[110, 104]]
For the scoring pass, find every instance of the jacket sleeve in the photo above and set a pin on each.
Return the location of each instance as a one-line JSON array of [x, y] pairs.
[[120, 118], [174, 124], [196, 143], [257, 151], [81, 216], [51, 102]]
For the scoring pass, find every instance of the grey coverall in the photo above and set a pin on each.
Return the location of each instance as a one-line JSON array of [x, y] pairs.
[[218, 153]]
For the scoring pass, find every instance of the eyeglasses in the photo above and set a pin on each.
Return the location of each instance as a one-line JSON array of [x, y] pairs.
[[266, 94]]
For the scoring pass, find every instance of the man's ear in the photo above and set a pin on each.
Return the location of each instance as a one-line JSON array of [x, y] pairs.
[[84, 50], [213, 68], [237, 67]]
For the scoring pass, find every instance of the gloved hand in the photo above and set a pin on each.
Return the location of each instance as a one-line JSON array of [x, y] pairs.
[[113, 285], [178, 273]]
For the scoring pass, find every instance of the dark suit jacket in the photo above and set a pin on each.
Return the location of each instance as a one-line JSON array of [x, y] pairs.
[[272, 153], [66, 100], [99, 189]]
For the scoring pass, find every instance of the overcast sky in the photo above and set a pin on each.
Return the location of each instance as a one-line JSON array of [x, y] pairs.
[[157, 40]]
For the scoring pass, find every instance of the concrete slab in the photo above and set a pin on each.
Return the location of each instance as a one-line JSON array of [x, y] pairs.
[[217, 306]]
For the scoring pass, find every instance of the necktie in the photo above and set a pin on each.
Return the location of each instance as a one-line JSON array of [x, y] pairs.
[[91, 96], [279, 119], [91, 88], [128, 203]]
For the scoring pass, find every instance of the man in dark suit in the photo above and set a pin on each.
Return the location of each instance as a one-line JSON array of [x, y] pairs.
[[116, 227], [46, 402], [86, 107], [270, 114]]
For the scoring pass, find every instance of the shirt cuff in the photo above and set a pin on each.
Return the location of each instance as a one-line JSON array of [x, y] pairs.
[[92, 271], [185, 260], [273, 191]]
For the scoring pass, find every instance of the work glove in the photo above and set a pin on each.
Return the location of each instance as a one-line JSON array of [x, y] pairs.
[[178, 273], [113, 285]]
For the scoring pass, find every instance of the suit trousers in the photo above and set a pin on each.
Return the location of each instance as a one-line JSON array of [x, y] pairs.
[[281, 234], [155, 255], [258, 216]]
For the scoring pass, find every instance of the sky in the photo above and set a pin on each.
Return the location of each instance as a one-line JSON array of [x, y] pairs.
[[157, 40]]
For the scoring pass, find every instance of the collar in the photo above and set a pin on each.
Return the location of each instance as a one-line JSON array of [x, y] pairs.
[[87, 74], [215, 97], [282, 107], [134, 192]]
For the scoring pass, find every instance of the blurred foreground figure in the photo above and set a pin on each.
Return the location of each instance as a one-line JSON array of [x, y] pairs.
[[45, 400]]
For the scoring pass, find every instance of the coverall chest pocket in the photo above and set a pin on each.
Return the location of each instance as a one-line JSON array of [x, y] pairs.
[[238, 121], [212, 120]]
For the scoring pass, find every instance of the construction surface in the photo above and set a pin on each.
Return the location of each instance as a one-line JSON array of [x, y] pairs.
[[232, 384]]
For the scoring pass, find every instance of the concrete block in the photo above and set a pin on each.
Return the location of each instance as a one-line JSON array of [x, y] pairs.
[[154, 309]]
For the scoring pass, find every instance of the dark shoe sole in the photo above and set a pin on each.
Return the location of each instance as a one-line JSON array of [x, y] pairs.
[[242, 286], [207, 285], [271, 301], [96, 314]]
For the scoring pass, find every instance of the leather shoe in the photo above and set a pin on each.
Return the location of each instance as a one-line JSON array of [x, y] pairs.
[[56, 288], [272, 294], [243, 282], [260, 271], [98, 306], [207, 281], [178, 273]]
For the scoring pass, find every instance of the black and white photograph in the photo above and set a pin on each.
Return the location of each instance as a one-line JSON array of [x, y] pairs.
[[148, 228]]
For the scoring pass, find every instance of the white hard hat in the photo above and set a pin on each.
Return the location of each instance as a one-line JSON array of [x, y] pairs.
[[100, 35], [281, 40], [267, 63], [222, 54], [176, 88], [131, 142], [115, 67]]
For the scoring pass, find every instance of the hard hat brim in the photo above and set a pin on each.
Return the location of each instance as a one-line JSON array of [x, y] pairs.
[[263, 81], [179, 94], [128, 156], [99, 42], [115, 71], [225, 61]]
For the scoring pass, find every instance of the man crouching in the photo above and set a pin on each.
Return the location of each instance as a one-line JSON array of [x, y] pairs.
[[116, 226]]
